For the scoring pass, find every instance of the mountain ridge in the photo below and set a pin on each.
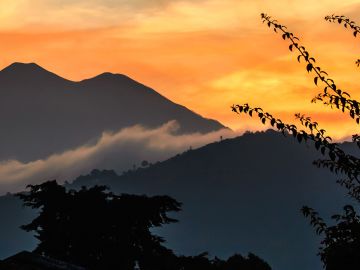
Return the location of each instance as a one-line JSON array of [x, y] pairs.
[[28, 71], [43, 113]]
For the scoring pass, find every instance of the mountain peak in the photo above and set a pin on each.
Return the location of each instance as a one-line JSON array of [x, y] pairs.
[[27, 71], [106, 76], [18, 66]]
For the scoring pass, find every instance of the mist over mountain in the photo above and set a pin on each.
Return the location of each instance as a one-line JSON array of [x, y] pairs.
[[42, 113], [240, 195], [119, 151]]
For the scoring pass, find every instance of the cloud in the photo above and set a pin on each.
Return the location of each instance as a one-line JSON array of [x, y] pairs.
[[152, 16], [78, 14], [109, 3], [120, 151]]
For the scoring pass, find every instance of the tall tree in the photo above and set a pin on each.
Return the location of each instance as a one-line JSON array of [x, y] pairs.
[[97, 229], [340, 247]]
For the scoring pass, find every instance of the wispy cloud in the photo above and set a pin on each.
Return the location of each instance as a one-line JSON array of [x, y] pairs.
[[118, 151], [164, 13]]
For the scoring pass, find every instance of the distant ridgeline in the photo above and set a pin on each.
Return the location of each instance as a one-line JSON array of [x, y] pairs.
[[43, 114], [239, 195]]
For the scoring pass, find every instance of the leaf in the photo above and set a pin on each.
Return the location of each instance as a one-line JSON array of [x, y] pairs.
[[352, 114], [299, 137], [316, 80], [309, 67], [272, 122], [332, 155]]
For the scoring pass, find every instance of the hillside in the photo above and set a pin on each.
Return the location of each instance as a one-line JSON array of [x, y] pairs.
[[239, 195]]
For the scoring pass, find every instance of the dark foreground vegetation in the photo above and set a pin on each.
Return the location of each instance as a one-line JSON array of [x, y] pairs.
[[97, 229]]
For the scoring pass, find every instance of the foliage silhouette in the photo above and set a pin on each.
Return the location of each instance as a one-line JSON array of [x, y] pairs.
[[97, 229], [347, 24], [340, 247], [235, 262], [145, 163]]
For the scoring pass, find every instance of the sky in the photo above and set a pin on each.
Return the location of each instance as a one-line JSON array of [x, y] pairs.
[[203, 54]]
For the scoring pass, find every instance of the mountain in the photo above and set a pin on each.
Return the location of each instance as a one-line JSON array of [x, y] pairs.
[[239, 195], [42, 113]]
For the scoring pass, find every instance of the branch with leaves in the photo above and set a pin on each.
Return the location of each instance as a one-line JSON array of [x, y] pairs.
[[315, 220], [341, 243], [347, 23], [339, 162], [331, 95]]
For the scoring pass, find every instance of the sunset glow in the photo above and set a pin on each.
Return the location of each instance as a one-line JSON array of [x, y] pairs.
[[204, 54]]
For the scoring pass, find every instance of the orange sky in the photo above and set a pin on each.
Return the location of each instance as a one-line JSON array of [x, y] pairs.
[[204, 54]]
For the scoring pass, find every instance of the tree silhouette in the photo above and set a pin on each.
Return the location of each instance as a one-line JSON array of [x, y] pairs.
[[97, 229], [235, 262], [340, 247], [144, 163]]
